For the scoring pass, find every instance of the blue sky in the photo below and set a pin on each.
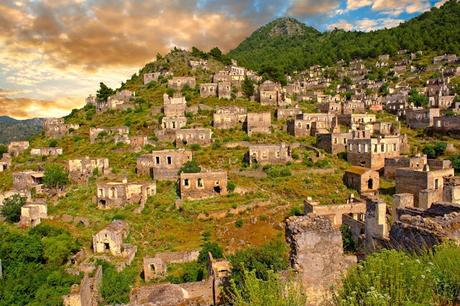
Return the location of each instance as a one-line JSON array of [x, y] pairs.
[[53, 53]]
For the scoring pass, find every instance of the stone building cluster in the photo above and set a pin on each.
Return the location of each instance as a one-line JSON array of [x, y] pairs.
[[56, 127]]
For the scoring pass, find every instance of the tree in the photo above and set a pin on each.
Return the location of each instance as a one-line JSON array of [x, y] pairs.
[[190, 167], [216, 53], [53, 143], [247, 87], [210, 247], [418, 99], [11, 209], [104, 92], [55, 176], [3, 149], [198, 53]]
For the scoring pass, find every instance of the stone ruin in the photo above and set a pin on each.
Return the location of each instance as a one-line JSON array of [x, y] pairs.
[[118, 194], [391, 164], [149, 77], [333, 143], [307, 124], [48, 151], [195, 186], [174, 106], [180, 82], [17, 147], [229, 117], [155, 267], [5, 162], [81, 169], [163, 165], [286, 113], [316, 252], [269, 154], [110, 240], [259, 123], [201, 136], [121, 100], [28, 181], [56, 127], [87, 292], [117, 134], [371, 152], [363, 180], [33, 213]]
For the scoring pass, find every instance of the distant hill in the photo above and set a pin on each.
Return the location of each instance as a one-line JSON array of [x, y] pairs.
[[288, 45], [13, 129]]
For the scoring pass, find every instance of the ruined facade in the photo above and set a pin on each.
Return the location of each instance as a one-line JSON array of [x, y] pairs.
[[87, 292], [49, 151], [354, 208], [33, 213], [119, 101], [117, 134], [118, 194], [361, 179], [201, 136], [333, 143], [163, 165], [149, 77], [371, 152], [17, 147], [391, 164], [229, 117], [269, 154], [194, 186], [56, 127], [208, 90], [28, 180], [312, 124], [420, 118], [156, 266], [354, 121], [5, 162], [81, 169], [285, 113], [270, 93], [173, 123], [180, 82], [449, 125], [259, 123], [174, 106]]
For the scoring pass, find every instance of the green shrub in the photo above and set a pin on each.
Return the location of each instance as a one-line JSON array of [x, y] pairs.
[[239, 223], [3, 149], [210, 247], [277, 171], [55, 176], [116, 286], [435, 150], [190, 167], [195, 147], [11, 209], [349, 244], [186, 272], [296, 211], [231, 186], [270, 292], [52, 143]]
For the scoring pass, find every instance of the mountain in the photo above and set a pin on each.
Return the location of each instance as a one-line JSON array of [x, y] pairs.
[[13, 129], [288, 45]]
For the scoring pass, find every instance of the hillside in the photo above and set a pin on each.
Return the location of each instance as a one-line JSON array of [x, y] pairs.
[[436, 30], [12, 129]]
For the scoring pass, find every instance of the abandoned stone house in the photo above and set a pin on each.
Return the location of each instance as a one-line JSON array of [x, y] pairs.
[[442, 102], [56, 127], [446, 58], [333, 143], [270, 93], [201, 136], [286, 113], [33, 213], [229, 117], [90, 100], [17, 147], [355, 121], [269, 154], [173, 122], [336, 213], [174, 106], [118, 194], [259, 123], [312, 124], [163, 165], [371, 152], [119, 101], [28, 180], [224, 90], [208, 90], [330, 107], [363, 180], [110, 240], [137, 142], [449, 125], [391, 164], [149, 77], [195, 186], [81, 169], [118, 134], [420, 118], [353, 106], [383, 128], [49, 151], [426, 185], [156, 266], [179, 82], [201, 63]]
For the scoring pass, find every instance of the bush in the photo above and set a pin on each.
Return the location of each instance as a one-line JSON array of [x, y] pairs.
[[190, 167], [435, 150], [296, 211], [55, 176], [3, 149], [187, 272], [277, 171], [195, 147], [210, 247], [115, 285], [349, 244], [270, 292], [231, 186], [239, 223], [11, 209], [455, 162], [53, 143]]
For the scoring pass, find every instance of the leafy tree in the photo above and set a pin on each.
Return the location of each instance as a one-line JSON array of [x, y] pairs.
[[210, 247], [115, 285], [455, 162], [104, 92], [417, 98], [247, 87], [53, 143], [190, 167], [231, 186], [216, 53], [434, 150], [198, 53], [55, 176], [3, 149], [11, 209]]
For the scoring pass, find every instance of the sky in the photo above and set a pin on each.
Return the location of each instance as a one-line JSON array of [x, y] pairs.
[[54, 53]]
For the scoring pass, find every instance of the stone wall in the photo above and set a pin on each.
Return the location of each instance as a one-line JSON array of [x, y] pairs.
[[333, 143], [258, 123], [202, 185], [163, 165], [201, 136], [269, 154]]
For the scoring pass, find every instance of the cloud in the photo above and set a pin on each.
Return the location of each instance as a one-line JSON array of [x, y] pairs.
[[391, 7], [440, 3], [22, 107], [367, 25], [306, 8], [341, 24]]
